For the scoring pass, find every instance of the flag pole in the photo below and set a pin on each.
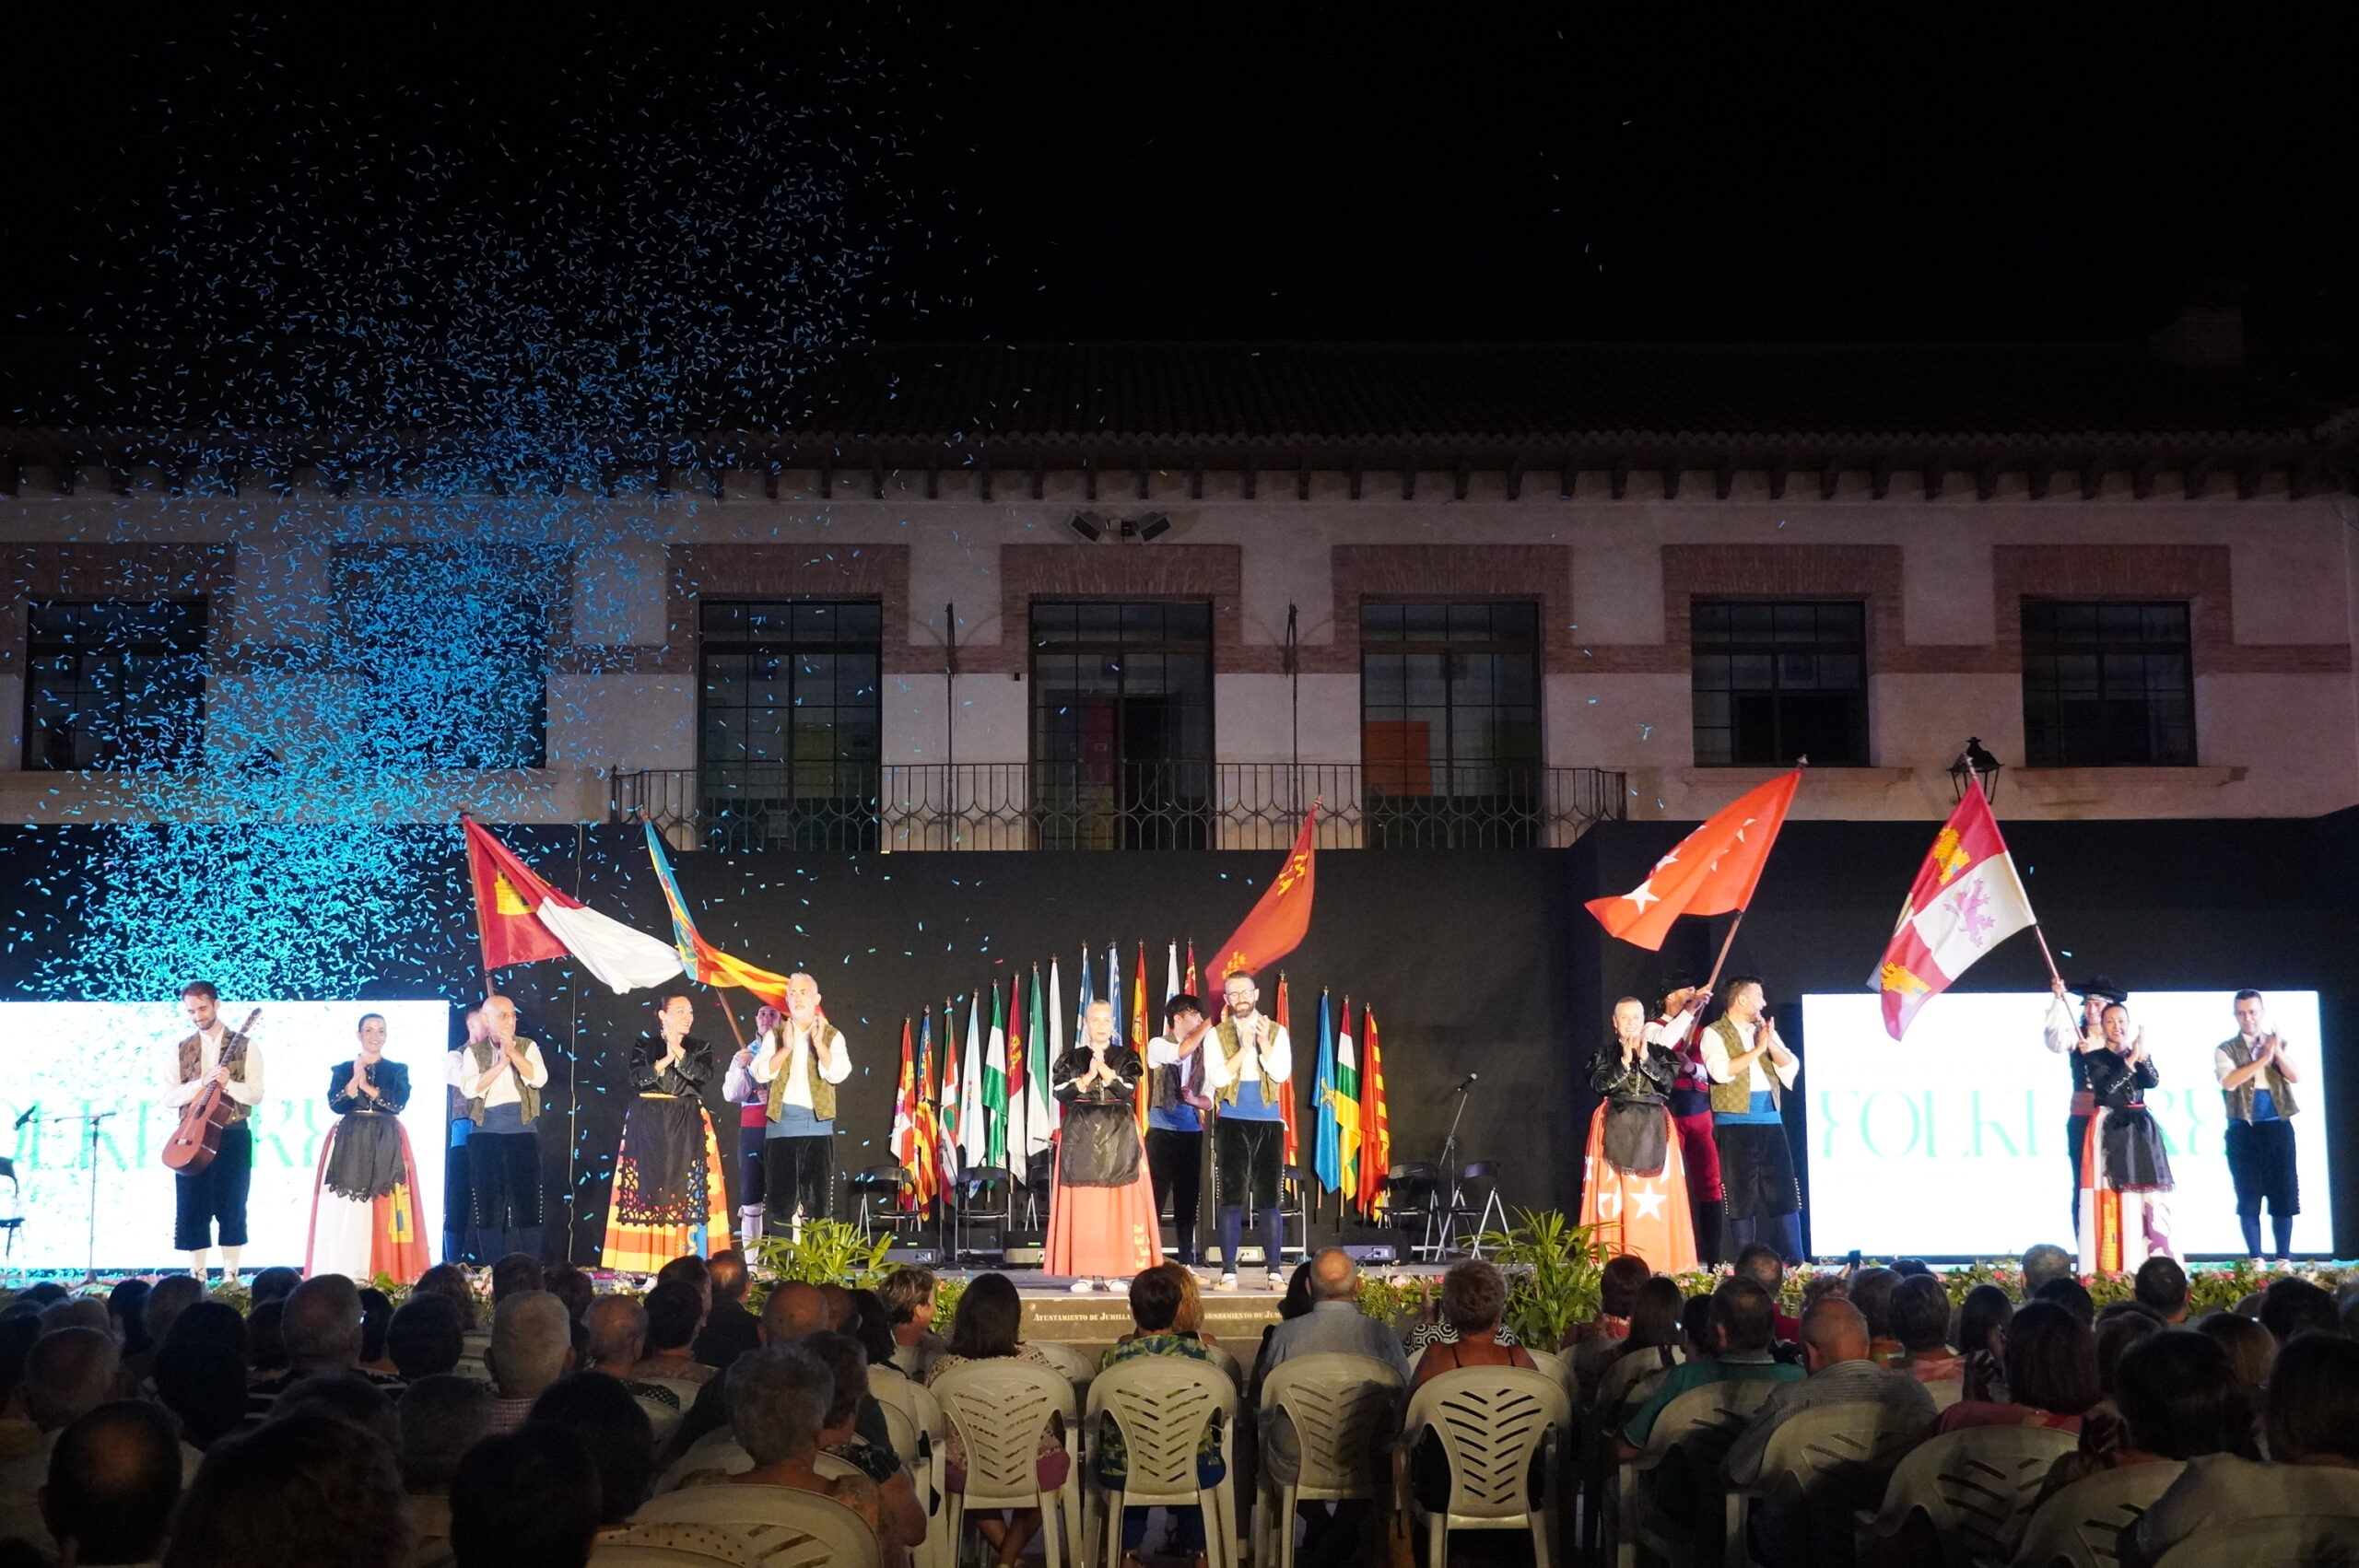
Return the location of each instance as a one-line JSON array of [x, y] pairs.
[[735, 1033], [1726, 941], [2045, 954]]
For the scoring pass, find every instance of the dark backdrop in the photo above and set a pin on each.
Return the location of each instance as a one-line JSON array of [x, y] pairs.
[[2179, 906]]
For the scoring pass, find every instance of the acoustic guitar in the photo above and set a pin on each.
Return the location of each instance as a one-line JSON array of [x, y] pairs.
[[197, 1138]]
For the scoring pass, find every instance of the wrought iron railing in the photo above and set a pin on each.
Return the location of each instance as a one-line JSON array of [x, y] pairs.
[[1014, 805]]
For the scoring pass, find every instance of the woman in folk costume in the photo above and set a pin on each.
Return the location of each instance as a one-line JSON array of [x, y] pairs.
[[1102, 1223], [1634, 1185], [669, 1199], [2125, 1170], [364, 1207]]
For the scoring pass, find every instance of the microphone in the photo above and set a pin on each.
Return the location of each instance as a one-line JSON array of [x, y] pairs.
[[1469, 1083], [30, 1111]]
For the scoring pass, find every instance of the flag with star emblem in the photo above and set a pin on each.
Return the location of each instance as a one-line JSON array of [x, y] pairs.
[[1280, 918], [1966, 900], [1713, 871]]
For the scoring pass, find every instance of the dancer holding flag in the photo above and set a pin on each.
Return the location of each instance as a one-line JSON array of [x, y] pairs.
[[2125, 1170], [1634, 1185], [1101, 1207]]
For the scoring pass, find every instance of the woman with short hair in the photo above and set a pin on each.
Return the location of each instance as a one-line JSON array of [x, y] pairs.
[[1102, 1221]]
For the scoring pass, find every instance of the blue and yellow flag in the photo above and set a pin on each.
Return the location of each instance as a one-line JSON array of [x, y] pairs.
[[703, 961]]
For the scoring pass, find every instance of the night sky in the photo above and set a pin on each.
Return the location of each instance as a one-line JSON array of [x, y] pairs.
[[1326, 172]]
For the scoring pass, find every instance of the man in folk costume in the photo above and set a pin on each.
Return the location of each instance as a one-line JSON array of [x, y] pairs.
[[1678, 1029], [501, 1074], [1249, 1073], [2257, 1080], [1750, 1072], [215, 1197], [2125, 1171], [1634, 1190], [1174, 1116], [802, 1061], [2077, 1035]]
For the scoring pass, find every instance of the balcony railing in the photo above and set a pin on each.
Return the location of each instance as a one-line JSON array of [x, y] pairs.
[[1014, 805]]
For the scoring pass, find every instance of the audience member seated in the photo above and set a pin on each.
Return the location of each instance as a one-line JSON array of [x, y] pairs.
[[2292, 1305], [1591, 1344], [320, 1324], [612, 1425], [304, 1490], [1294, 1303], [847, 1363], [873, 1326], [209, 1323], [1740, 1319], [2052, 1375], [575, 1288], [990, 1318], [1474, 1295], [67, 1374], [675, 1312], [2178, 1398], [1982, 1319], [2249, 1350], [113, 1478], [442, 1417], [170, 1296], [346, 1397], [127, 1311], [1921, 1321], [525, 1499], [532, 1347], [2073, 1297], [376, 1320], [908, 1294], [1759, 1261], [1156, 1297], [1335, 1322], [426, 1337], [779, 1401], [204, 1386], [2313, 1430], [79, 1312], [729, 1329], [1190, 1318], [1652, 1348], [1871, 1292], [265, 1342], [273, 1284], [617, 1327], [793, 1312], [2162, 1286], [2120, 1325], [1836, 1348], [2044, 1262], [517, 1272]]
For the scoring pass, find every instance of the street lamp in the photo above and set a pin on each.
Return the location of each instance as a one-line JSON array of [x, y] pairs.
[[1975, 764]]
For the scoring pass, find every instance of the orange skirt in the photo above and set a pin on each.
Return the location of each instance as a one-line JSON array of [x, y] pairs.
[[1643, 1215], [642, 1249], [1102, 1232]]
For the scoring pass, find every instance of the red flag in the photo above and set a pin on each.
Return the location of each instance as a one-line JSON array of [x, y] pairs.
[[904, 1120], [1189, 984], [1966, 900], [1285, 1098], [1376, 1121], [523, 920], [1712, 870], [1277, 923]]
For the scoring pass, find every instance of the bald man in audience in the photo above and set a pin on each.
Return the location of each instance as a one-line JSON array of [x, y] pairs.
[[1334, 1321], [321, 1329], [113, 1478], [617, 1327], [532, 1347], [67, 1374]]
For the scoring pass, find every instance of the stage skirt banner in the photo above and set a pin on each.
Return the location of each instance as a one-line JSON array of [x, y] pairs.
[[669, 1195]]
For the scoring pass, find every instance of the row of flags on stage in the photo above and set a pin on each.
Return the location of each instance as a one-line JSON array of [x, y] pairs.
[[1966, 898]]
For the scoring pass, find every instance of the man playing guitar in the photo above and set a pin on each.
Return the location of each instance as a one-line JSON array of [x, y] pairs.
[[214, 1195]]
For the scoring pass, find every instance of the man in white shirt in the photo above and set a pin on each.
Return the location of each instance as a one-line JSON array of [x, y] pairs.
[[1174, 1116], [2256, 1078], [801, 1061], [1249, 1073], [1751, 1071], [213, 1198], [501, 1076]]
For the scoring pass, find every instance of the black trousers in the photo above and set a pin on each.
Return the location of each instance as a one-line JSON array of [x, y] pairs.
[[798, 1173], [2261, 1164], [1175, 1165], [750, 1190], [1757, 1170], [1247, 1157], [505, 1169], [2076, 1133], [215, 1195]]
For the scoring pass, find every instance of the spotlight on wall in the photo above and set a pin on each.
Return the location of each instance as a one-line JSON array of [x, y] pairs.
[[1089, 525], [1147, 530]]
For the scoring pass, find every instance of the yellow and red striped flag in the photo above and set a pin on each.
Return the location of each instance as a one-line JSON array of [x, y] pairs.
[[1376, 1121]]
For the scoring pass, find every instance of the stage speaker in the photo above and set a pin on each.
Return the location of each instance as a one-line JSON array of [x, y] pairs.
[[921, 1257], [1378, 1252], [1019, 1256]]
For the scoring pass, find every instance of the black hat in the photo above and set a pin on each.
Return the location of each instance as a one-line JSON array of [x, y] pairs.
[[2102, 985]]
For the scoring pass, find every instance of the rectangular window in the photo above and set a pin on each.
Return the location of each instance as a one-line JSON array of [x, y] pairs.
[[791, 722], [114, 684], [457, 678], [1450, 724], [1121, 724], [2107, 686], [1777, 681]]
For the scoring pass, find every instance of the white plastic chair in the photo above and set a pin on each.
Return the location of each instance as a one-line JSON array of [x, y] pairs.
[[914, 1418], [1077, 1366], [1701, 1424], [2082, 1524], [632, 1554], [998, 1407], [1491, 1420], [1831, 1462], [2275, 1541], [721, 1451], [1342, 1410], [786, 1527], [1974, 1487], [1162, 1405], [1227, 1364]]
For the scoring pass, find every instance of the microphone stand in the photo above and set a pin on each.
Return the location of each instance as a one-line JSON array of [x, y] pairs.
[[1449, 1237], [91, 1119]]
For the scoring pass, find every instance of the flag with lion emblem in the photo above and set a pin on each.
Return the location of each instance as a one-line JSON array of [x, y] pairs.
[[1966, 901]]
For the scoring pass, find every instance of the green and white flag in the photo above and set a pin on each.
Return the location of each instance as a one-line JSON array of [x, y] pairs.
[[995, 1087]]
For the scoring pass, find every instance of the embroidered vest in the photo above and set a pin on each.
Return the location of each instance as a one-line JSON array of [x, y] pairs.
[[233, 1051], [823, 1093], [483, 1053], [2239, 1099], [1168, 1089], [1232, 1054], [1735, 1096]]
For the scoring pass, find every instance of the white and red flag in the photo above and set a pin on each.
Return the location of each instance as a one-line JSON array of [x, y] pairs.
[[522, 920], [1966, 901]]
